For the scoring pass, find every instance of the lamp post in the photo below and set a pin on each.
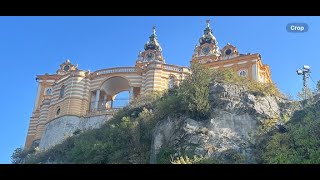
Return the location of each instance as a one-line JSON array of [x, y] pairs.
[[305, 72]]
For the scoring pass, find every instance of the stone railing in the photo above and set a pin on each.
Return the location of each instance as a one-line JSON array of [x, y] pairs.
[[172, 68], [103, 112], [116, 70]]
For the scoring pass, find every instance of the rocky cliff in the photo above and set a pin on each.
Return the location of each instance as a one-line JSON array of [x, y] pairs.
[[145, 132], [237, 117]]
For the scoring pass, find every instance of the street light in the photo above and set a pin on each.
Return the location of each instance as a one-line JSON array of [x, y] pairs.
[[305, 72], [306, 67], [299, 72]]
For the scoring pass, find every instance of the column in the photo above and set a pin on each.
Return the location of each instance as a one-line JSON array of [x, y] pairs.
[[97, 99], [105, 98], [131, 95], [255, 75], [104, 101]]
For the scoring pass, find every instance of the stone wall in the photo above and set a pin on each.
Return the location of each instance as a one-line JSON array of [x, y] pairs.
[[63, 127]]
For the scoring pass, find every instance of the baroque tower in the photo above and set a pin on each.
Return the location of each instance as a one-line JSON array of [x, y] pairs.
[[246, 65], [156, 74]]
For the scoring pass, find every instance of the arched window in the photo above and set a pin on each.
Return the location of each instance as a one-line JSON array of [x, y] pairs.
[[58, 111], [62, 89], [171, 82], [243, 73]]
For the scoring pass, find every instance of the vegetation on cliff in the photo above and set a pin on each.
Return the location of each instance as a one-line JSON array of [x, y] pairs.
[[298, 143]]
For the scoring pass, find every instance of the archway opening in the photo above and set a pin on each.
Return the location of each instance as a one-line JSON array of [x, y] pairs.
[[115, 92], [121, 99]]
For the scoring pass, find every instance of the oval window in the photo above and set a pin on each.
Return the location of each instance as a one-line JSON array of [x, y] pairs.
[[243, 73], [228, 51]]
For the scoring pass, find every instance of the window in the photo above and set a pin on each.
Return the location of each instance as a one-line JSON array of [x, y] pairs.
[[243, 73], [48, 91], [58, 111], [171, 82], [228, 51], [62, 89], [66, 68]]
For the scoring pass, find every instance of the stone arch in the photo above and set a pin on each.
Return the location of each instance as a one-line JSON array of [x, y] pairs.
[[172, 81], [114, 76], [105, 95], [115, 84]]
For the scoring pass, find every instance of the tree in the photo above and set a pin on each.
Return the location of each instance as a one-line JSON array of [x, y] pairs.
[[305, 94], [299, 144], [194, 92], [18, 156], [318, 86]]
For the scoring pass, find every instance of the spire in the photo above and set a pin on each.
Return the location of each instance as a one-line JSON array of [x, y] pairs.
[[207, 36], [153, 41]]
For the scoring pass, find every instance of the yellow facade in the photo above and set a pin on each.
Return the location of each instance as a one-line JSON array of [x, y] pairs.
[[247, 65], [75, 92]]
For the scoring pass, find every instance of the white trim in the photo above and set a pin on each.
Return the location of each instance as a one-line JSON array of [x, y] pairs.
[[50, 80], [37, 97], [62, 79], [244, 62], [217, 67], [228, 65]]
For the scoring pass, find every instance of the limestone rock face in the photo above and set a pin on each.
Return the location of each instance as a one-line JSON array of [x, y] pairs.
[[236, 116]]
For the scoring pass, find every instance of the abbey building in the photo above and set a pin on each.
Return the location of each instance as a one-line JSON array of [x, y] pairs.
[[84, 94]]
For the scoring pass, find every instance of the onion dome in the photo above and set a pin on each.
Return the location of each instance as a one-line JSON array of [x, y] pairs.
[[207, 36], [153, 43]]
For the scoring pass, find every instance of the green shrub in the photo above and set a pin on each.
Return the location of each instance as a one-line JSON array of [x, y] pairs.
[[19, 156], [194, 92], [233, 157], [165, 155], [262, 89], [168, 105], [229, 76], [226, 76], [301, 142], [194, 160]]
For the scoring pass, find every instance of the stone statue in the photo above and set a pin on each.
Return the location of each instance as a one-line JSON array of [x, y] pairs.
[[208, 23]]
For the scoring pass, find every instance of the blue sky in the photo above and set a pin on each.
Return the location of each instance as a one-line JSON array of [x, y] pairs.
[[38, 45]]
